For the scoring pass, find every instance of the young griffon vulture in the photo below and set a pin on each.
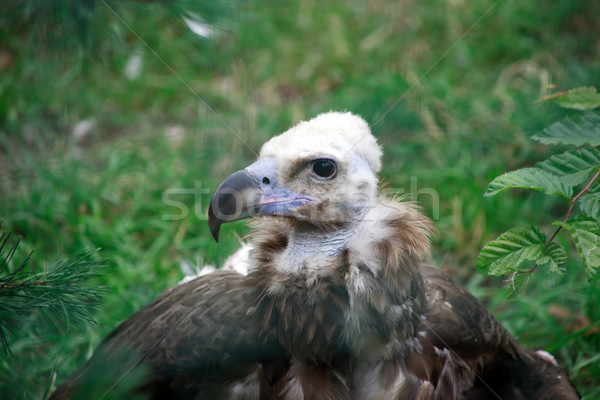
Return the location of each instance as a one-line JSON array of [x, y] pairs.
[[337, 302]]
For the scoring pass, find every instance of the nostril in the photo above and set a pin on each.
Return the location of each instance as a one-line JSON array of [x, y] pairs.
[[266, 181]]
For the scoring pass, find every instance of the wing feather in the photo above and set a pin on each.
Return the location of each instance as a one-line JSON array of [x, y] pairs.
[[192, 334], [467, 353]]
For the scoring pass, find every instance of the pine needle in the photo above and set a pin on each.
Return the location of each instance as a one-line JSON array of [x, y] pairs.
[[58, 294]]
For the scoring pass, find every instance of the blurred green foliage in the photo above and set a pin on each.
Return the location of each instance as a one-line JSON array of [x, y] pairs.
[[107, 109]]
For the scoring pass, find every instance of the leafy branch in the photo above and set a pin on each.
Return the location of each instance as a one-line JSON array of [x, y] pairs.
[[585, 190], [563, 175], [57, 293], [566, 219]]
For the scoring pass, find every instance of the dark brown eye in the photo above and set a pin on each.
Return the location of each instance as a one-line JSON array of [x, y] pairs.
[[324, 168]]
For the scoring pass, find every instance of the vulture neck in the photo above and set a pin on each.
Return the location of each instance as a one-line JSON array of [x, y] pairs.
[[309, 246], [347, 290]]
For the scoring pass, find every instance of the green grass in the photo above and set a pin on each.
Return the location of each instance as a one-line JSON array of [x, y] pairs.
[[451, 100]]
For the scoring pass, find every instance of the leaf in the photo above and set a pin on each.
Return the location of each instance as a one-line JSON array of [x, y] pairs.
[[554, 255], [586, 235], [530, 178], [590, 204], [574, 166], [516, 283], [579, 131], [582, 98], [515, 246]]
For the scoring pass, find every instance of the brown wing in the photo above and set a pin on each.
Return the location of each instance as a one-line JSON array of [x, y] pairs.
[[467, 352], [196, 341]]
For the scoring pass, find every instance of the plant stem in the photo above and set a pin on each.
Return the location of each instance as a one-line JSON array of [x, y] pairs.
[[566, 219], [573, 201]]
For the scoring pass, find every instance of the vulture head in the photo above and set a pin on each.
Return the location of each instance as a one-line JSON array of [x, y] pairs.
[[321, 172]]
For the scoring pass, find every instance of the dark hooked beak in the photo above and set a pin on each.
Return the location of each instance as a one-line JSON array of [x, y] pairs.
[[251, 192]]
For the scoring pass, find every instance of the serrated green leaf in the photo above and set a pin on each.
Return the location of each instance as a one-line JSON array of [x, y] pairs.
[[582, 98], [516, 283], [573, 166], [579, 131], [586, 235], [530, 178], [555, 255], [510, 250], [590, 204]]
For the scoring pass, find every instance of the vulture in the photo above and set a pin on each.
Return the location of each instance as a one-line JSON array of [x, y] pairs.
[[338, 300]]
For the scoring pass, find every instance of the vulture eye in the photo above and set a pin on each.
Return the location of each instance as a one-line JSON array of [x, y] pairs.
[[324, 168]]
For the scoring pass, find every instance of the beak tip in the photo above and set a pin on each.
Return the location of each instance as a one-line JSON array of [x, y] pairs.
[[215, 232], [214, 224]]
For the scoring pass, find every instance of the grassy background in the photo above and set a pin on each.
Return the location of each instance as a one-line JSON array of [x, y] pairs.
[[448, 86]]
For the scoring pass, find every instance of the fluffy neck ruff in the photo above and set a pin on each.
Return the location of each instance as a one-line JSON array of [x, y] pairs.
[[357, 291]]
